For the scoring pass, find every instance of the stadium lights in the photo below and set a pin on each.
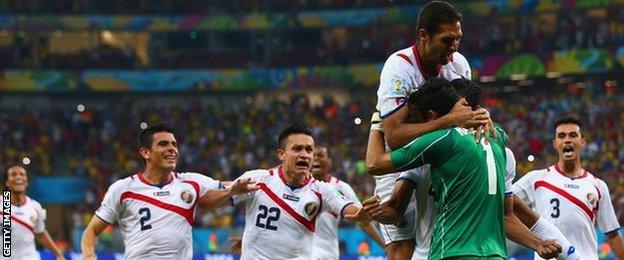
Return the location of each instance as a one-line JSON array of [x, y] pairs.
[[26, 161], [143, 125], [357, 121], [553, 74], [531, 158], [80, 108], [516, 77], [485, 79]]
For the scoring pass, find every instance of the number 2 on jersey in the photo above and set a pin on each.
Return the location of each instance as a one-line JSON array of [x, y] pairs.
[[491, 167], [270, 214], [145, 216]]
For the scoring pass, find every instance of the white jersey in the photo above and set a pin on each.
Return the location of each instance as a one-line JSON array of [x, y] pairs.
[[280, 220], [426, 208], [326, 234], [574, 205], [27, 220], [400, 75], [155, 222]]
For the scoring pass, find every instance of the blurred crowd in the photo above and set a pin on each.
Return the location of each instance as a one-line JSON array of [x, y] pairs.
[[185, 6], [537, 33], [225, 136]]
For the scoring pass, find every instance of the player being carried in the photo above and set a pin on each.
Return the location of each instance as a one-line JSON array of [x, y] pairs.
[[433, 55], [467, 178], [155, 209], [280, 218]]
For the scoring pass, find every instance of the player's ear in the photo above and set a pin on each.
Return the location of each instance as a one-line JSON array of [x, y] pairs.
[[431, 115], [281, 154], [144, 152], [423, 35]]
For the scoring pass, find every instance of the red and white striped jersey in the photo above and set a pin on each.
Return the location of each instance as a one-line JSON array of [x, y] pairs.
[[402, 74], [27, 220], [326, 235], [280, 220], [155, 221], [574, 205]]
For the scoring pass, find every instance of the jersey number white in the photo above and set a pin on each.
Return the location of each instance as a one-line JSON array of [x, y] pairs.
[[491, 167]]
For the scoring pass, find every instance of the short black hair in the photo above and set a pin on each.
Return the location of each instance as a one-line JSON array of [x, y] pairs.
[[146, 136], [291, 130], [436, 94], [5, 174], [436, 13], [469, 90], [567, 119]]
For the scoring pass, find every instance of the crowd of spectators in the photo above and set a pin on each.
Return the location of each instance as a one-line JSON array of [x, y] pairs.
[[182, 7], [224, 136], [537, 33]]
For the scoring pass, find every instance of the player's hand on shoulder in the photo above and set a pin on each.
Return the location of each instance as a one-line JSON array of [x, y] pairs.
[[241, 186], [548, 249]]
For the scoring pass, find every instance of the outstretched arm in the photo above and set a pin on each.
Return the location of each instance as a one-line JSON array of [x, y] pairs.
[[46, 241], [391, 211], [399, 131], [519, 233], [218, 198]]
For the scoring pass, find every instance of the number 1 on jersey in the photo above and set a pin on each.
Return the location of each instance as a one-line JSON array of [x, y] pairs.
[[491, 167]]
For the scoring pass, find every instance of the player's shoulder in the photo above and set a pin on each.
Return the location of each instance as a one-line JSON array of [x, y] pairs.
[[123, 183], [599, 183], [34, 203], [257, 174], [460, 61], [399, 59], [539, 173], [190, 175]]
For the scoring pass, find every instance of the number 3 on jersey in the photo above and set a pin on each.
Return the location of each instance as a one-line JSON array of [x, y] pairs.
[[270, 214], [491, 167]]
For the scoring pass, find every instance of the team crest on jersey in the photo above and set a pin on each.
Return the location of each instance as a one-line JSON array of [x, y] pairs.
[[186, 196], [592, 199], [311, 208]]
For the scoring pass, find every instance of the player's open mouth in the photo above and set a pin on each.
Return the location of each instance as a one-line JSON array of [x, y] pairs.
[[170, 157], [568, 150], [302, 164]]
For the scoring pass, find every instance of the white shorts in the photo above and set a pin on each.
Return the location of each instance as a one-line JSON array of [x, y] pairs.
[[391, 233]]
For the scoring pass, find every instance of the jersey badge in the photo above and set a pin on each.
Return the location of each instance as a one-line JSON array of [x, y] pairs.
[[186, 196], [592, 199], [311, 208]]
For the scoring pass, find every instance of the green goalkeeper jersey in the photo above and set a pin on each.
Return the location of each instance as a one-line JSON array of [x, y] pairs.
[[468, 181]]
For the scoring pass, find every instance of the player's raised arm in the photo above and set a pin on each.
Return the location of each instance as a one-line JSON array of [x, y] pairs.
[[89, 237], [377, 160]]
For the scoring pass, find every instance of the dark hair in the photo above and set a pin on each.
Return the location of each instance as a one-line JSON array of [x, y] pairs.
[[436, 13], [469, 90], [292, 130], [5, 174], [436, 94], [567, 119], [146, 136]]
